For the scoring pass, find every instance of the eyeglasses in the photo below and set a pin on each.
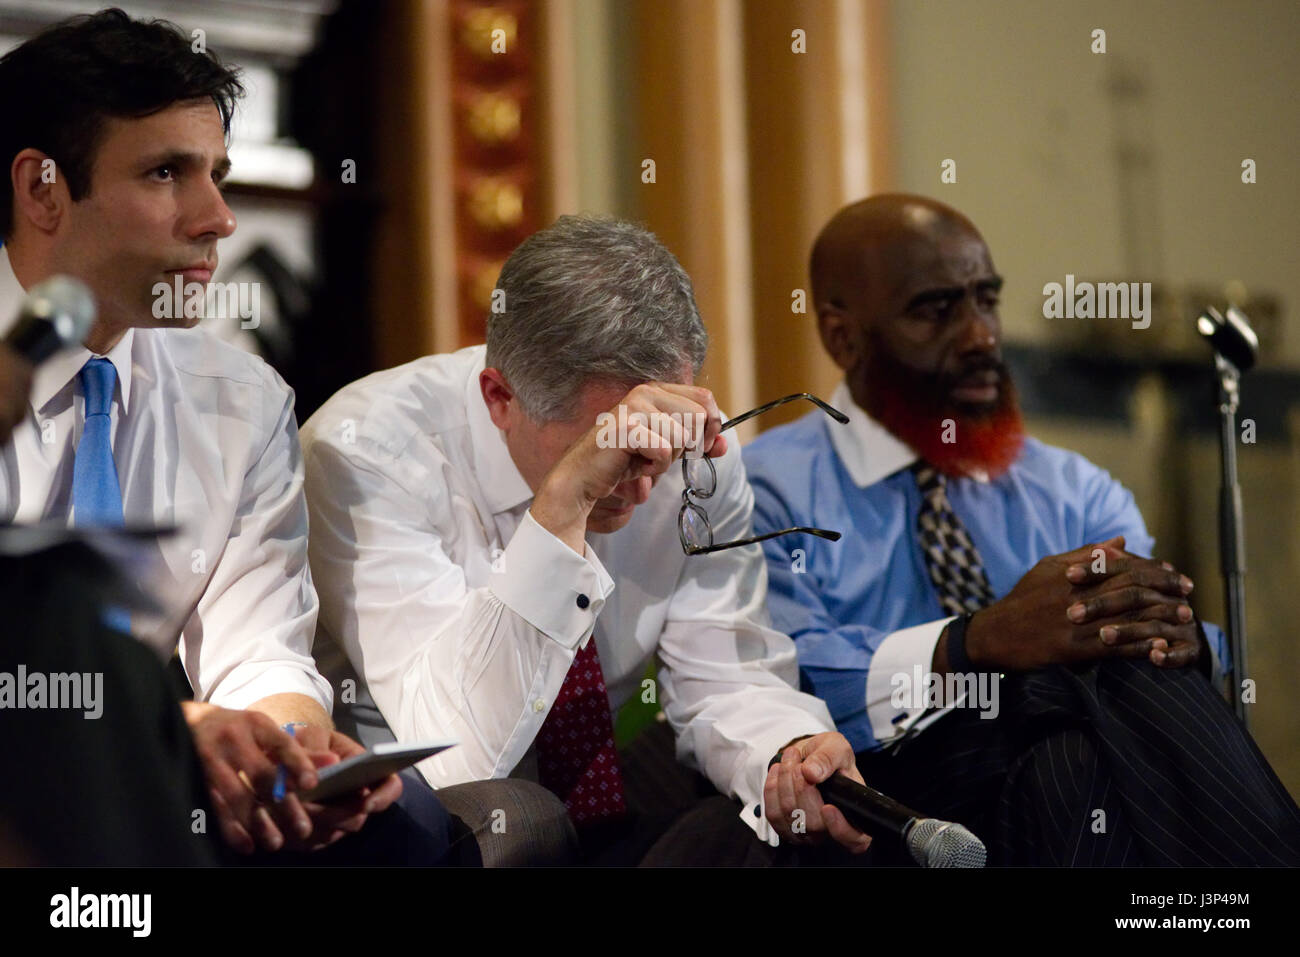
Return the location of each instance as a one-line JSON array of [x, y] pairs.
[[701, 481]]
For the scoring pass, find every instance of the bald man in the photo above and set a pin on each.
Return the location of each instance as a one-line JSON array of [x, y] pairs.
[[991, 634]]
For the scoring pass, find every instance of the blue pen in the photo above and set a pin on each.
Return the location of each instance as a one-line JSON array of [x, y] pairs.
[[277, 792]]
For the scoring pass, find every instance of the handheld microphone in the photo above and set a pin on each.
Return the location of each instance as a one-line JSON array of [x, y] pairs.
[[56, 313], [932, 843]]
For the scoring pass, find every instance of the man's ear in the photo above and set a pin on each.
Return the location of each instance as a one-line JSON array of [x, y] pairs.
[[498, 397], [840, 335], [41, 196]]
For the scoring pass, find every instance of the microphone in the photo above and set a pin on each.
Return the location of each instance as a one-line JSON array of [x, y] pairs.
[[1231, 336], [56, 313], [933, 843]]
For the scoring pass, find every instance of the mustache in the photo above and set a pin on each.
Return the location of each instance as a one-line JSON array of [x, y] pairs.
[[946, 381], [913, 407]]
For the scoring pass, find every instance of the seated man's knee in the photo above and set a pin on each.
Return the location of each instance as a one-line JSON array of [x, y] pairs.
[[512, 822], [1063, 766]]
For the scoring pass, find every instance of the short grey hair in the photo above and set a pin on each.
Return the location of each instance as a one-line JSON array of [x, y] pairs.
[[590, 299]]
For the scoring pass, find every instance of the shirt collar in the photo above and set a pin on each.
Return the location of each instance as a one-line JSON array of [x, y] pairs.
[[54, 374], [504, 487], [868, 450]]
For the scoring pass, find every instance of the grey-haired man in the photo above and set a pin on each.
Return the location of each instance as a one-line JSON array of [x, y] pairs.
[[500, 561]]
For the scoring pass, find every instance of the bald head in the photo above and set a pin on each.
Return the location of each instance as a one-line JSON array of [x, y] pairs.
[[874, 243], [905, 292], [906, 275]]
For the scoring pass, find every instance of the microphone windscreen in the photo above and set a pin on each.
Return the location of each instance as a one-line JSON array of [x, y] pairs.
[[66, 302], [936, 843]]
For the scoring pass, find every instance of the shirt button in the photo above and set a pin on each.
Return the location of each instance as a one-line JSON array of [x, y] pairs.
[[539, 705], [583, 601]]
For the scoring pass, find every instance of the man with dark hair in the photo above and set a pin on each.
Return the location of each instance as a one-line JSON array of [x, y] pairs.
[[992, 639], [500, 559], [63, 87], [115, 143]]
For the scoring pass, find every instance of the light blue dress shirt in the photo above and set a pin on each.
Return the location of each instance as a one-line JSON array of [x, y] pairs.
[[863, 609]]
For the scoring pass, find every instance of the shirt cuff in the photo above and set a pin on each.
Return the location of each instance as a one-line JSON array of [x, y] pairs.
[[754, 812], [755, 815], [549, 585], [276, 679], [1217, 640], [896, 678]]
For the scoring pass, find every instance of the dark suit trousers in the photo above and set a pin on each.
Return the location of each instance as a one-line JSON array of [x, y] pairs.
[[1116, 763]]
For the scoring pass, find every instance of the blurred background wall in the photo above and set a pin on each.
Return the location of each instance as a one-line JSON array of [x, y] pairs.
[[735, 128]]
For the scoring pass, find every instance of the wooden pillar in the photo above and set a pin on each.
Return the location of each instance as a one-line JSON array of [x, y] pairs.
[[819, 138], [689, 121]]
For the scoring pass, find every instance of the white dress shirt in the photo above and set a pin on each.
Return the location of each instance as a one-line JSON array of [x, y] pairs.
[[204, 438], [463, 614]]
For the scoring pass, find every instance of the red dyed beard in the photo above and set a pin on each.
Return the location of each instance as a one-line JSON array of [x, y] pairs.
[[913, 406]]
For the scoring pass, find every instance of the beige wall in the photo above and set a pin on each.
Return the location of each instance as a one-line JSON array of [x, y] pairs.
[[1011, 91]]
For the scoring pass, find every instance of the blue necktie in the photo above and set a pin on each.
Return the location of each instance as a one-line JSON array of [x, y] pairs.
[[96, 495]]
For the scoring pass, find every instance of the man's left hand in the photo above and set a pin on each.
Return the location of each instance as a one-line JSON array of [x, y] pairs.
[[794, 805], [340, 817], [1135, 599]]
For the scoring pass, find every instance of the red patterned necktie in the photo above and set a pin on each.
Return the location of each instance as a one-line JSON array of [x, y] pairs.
[[575, 746]]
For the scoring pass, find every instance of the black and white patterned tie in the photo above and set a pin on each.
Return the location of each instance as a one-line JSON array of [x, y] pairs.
[[954, 563]]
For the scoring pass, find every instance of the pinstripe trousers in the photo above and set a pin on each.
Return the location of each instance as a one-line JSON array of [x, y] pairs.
[[1118, 763]]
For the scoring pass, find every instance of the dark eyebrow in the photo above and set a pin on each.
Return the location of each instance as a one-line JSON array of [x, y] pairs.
[[940, 293], [934, 295], [186, 160]]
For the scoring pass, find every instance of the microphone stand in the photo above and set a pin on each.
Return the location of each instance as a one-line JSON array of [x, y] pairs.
[[1232, 541]]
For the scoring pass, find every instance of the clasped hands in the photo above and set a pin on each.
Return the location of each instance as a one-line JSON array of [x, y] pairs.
[[1095, 602]]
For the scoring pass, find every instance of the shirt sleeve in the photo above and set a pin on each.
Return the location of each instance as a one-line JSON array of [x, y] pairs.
[[728, 679], [1111, 510], [251, 634], [480, 665], [854, 668]]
